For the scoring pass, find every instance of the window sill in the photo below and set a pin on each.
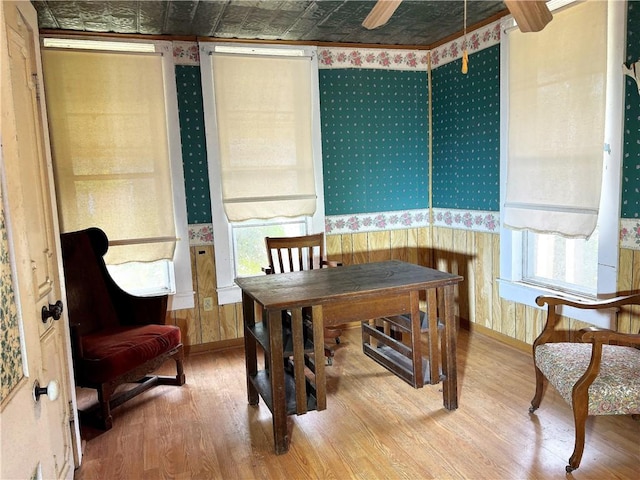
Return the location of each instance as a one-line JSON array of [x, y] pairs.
[[229, 294], [181, 301], [526, 294]]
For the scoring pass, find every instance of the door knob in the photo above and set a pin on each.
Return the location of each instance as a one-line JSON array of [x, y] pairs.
[[54, 311], [52, 390]]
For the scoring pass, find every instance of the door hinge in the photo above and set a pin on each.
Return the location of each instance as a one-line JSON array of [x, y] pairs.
[[71, 417], [36, 85]]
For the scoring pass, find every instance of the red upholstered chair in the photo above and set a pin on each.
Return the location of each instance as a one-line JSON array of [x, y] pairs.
[[117, 338]]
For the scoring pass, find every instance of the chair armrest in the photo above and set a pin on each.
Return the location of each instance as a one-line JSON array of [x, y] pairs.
[[615, 302], [605, 336], [553, 301], [598, 337]]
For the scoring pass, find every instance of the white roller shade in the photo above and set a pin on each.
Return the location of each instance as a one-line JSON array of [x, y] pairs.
[[110, 149], [557, 80], [263, 113]]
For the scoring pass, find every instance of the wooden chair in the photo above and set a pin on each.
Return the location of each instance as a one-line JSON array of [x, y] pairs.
[[598, 376], [291, 254], [116, 338]]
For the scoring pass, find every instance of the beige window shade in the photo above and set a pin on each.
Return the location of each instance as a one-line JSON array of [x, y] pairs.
[[557, 80], [263, 112], [110, 149]]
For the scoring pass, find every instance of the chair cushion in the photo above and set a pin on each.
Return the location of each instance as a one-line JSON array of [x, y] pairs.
[[114, 351], [616, 389]]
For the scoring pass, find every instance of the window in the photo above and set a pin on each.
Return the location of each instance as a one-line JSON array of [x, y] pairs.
[[568, 263], [248, 242], [116, 156], [535, 262], [263, 142]]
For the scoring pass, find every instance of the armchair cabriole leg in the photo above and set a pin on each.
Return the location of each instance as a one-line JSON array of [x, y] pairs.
[[537, 398], [580, 412]]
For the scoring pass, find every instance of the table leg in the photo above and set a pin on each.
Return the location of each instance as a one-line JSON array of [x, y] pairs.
[[276, 376], [297, 328], [433, 336], [416, 340], [449, 363], [318, 351], [248, 317]]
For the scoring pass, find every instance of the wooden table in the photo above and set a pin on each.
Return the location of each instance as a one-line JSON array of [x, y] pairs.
[[334, 296]]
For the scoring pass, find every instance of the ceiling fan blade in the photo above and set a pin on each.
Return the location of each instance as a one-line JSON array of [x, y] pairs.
[[380, 13], [530, 15]]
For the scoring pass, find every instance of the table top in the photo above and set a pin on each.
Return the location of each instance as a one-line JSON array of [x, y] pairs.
[[326, 285]]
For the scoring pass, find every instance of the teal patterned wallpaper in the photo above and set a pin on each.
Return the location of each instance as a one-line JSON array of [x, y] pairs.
[[631, 163], [194, 152], [466, 133], [374, 140]]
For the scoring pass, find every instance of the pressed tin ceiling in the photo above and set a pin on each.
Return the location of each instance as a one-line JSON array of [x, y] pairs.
[[419, 23]]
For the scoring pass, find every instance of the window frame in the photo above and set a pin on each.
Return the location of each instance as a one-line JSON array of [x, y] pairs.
[[183, 298], [511, 284], [228, 291], [303, 222]]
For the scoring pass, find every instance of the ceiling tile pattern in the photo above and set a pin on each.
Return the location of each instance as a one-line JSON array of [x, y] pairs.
[[415, 22]]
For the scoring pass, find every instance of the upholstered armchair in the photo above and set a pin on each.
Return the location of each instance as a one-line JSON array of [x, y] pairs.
[[116, 338], [600, 375]]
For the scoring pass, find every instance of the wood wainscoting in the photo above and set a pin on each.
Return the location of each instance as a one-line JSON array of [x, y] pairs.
[[474, 255]]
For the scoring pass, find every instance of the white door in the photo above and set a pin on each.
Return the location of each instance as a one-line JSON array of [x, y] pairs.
[[39, 437]]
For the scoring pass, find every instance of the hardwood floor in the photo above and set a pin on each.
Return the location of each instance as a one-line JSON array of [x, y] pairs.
[[375, 426]]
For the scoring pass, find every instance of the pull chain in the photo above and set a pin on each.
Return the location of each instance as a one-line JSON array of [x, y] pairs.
[[465, 55]]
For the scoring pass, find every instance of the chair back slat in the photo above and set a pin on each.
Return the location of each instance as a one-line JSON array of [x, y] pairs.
[[310, 261], [291, 254]]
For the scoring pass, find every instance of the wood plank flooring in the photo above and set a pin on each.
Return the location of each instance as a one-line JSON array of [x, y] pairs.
[[375, 426]]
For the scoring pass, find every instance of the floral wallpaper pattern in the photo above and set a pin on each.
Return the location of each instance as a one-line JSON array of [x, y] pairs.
[[186, 53], [377, 58], [484, 37], [404, 59], [376, 222], [9, 329], [472, 220], [201, 234], [630, 233]]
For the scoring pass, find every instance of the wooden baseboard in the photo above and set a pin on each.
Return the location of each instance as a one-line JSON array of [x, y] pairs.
[[474, 328], [214, 346]]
